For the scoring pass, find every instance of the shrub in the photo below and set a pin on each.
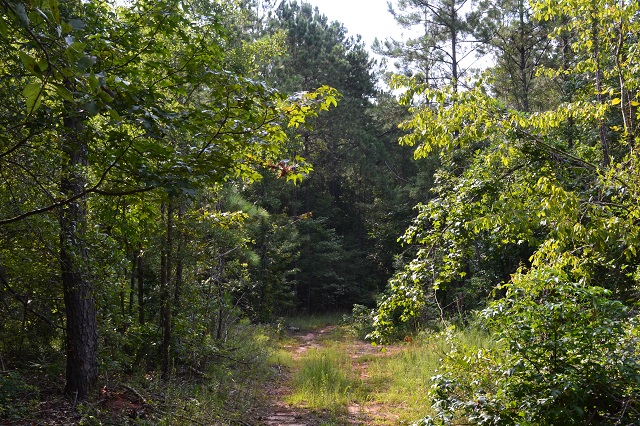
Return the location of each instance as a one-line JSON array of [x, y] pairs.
[[361, 320], [569, 356], [15, 395]]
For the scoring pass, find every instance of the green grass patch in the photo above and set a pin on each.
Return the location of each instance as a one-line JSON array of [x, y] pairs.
[[325, 380], [391, 385], [282, 358], [400, 382]]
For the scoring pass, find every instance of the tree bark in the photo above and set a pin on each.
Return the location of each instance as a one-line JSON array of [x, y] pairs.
[[602, 126], [454, 45], [80, 308], [165, 291], [177, 292], [140, 287]]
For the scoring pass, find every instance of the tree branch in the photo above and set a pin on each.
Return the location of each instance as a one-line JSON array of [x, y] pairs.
[[20, 299]]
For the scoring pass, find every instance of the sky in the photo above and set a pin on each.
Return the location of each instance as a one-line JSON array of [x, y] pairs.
[[369, 18]]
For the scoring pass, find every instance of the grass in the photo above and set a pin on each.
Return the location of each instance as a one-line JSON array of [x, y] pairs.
[[282, 357], [334, 377], [224, 387], [325, 380], [401, 382], [394, 385]]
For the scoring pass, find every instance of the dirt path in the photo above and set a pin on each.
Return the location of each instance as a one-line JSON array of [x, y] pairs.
[[279, 413]]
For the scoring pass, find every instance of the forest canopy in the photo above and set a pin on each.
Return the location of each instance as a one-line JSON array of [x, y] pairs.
[[173, 174]]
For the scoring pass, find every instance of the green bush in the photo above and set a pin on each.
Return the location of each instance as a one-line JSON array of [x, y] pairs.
[[569, 356], [361, 320], [15, 395]]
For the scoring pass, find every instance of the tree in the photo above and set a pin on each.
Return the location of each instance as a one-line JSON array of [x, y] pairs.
[[518, 185], [521, 45], [569, 358], [138, 100], [342, 145], [542, 190], [438, 56]]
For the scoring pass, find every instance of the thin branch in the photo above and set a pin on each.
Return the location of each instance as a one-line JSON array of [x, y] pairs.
[[394, 172], [556, 150], [17, 145], [70, 200], [26, 304]]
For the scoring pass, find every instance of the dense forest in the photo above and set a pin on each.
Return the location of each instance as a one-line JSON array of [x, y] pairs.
[[178, 177]]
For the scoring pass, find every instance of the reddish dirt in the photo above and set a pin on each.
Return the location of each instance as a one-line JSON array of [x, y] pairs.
[[278, 412]]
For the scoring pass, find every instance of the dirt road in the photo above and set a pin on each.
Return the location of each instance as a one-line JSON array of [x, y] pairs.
[[279, 413]]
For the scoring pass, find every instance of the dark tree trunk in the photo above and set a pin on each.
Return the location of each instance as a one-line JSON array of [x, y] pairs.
[[454, 46], [140, 288], [523, 60], [177, 293], [80, 308], [165, 291], [132, 286]]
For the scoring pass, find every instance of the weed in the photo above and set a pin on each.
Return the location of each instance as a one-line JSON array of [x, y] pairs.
[[281, 357], [400, 382], [15, 395], [325, 380]]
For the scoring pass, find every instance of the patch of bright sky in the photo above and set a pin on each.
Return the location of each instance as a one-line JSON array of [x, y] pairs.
[[369, 18], [372, 19]]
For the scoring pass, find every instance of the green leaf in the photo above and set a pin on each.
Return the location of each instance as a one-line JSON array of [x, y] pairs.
[[114, 114], [55, 11], [86, 62], [104, 96], [92, 108], [63, 92], [93, 81], [39, 16], [76, 24], [66, 28], [29, 63], [43, 65], [3, 28], [33, 92]]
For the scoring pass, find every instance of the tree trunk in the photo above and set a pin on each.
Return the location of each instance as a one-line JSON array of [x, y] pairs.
[[523, 61], [140, 287], [602, 126], [165, 291], [177, 293], [132, 286], [80, 308], [454, 46]]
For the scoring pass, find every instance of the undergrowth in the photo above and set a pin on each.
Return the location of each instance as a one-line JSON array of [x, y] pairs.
[[325, 380], [389, 384], [401, 381], [224, 387]]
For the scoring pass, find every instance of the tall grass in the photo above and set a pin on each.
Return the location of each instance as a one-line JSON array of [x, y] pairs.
[[225, 389], [400, 382], [325, 380], [390, 385]]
